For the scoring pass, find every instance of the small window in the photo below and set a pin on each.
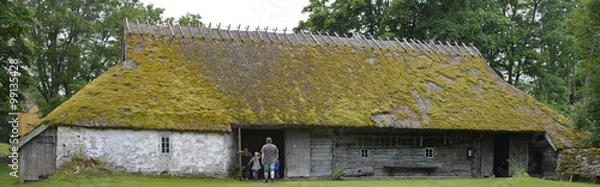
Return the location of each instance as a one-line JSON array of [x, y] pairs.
[[429, 152], [364, 153], [165, 144]]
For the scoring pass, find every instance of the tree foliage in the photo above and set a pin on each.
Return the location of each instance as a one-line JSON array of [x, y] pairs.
[[586, 27], [75, 41]]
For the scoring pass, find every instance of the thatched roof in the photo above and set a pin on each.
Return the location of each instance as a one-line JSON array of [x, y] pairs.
[[207, 79]]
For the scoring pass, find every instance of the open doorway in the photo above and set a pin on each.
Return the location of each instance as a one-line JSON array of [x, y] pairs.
[[501, 155], [254, 139]]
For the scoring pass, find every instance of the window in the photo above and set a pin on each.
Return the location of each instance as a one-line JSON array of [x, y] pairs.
[[364, 153], [165, 146], [429, 152]]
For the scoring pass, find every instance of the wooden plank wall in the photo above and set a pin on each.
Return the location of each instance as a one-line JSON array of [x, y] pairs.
[[37, 158], [321, 156], [297, 153]]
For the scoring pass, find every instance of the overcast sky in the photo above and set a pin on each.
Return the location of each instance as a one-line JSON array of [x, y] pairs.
[[272, 13]]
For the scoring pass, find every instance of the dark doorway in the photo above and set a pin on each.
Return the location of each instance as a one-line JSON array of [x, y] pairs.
[[254, 140], [501, 155]]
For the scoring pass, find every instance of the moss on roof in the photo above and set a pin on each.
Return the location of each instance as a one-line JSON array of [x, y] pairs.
[[207, 84]]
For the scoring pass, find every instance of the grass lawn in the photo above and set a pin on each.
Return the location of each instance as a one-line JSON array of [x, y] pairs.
[[120, 179], [4, 149]]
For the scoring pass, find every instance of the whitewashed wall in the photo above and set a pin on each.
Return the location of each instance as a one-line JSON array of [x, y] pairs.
[[200, 154]]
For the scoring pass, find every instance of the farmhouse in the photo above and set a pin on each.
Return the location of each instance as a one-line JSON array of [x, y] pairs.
[[185, 100]]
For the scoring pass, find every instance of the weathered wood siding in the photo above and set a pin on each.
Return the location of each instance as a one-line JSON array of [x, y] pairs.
[[37, 159], [451, 159], [487, 155], [321, 157], [297, 152]]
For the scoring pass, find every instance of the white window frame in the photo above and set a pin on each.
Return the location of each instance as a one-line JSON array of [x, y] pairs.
[[364, 153], [161, 144], [429, 152]]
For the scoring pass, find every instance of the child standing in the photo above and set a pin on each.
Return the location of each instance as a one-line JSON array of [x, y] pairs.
[[255, 165]]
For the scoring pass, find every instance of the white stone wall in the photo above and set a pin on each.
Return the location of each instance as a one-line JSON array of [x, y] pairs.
[[201, 154]]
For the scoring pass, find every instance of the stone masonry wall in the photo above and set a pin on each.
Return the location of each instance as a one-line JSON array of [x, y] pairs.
[[585, 161], [198, 154]]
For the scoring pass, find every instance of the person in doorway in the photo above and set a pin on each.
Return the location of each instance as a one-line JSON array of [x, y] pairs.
[[270, 156], [246, 156], [255, 163]]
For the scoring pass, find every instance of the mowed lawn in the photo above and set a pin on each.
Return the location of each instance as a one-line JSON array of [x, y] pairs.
[[120, 179]]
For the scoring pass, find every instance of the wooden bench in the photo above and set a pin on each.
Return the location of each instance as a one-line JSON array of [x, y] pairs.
[[574, 176], [429, 167]]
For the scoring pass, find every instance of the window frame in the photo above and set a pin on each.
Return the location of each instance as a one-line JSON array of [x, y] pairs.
[[165, 144], [429, 152]]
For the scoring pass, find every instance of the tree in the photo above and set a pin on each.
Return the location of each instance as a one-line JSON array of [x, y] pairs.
[[586, 27], [187, 20], [14, 18], [75, 41], [344, 16]]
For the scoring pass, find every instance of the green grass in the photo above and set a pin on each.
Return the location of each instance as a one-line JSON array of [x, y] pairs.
[[121, 179], [4, 149]]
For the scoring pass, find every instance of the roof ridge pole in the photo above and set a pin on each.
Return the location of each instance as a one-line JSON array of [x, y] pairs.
[[229, 32], [375, 40], [410, 46], [127, 25], [181, 31], [364, 46], [149, 27], [476, 50], [277, 36], [171, 28], [210, 31], [267, 33], [331, 39], [313, 37], [460, 51], [138, 24], [440, 46], [298, 39], [432, 43], [304, 35], [160, 29], [257, 33], [323, 38], [424, 46], [404, 48], [439, 49], [366, 41], [339, 39], [383, 43], [240, 32], [219, 31], [391, 43], [248, 33], [463, 44], [450, 49], [200, 29], [191, 31], [286, 36]]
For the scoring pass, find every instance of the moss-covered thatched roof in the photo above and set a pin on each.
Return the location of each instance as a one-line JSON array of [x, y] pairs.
[[207, 79]]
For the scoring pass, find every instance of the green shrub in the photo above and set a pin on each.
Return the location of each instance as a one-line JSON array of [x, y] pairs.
[[338, 173]]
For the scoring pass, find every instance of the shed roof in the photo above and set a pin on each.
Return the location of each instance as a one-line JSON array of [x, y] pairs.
[[185, 78]]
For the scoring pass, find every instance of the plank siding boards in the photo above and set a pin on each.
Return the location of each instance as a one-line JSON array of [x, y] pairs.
[[321, 157]]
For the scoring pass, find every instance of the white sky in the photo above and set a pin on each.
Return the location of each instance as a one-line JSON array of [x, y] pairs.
[[271, 13]]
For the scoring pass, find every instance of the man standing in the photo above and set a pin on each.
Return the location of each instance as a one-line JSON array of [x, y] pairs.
[[269, 156]]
